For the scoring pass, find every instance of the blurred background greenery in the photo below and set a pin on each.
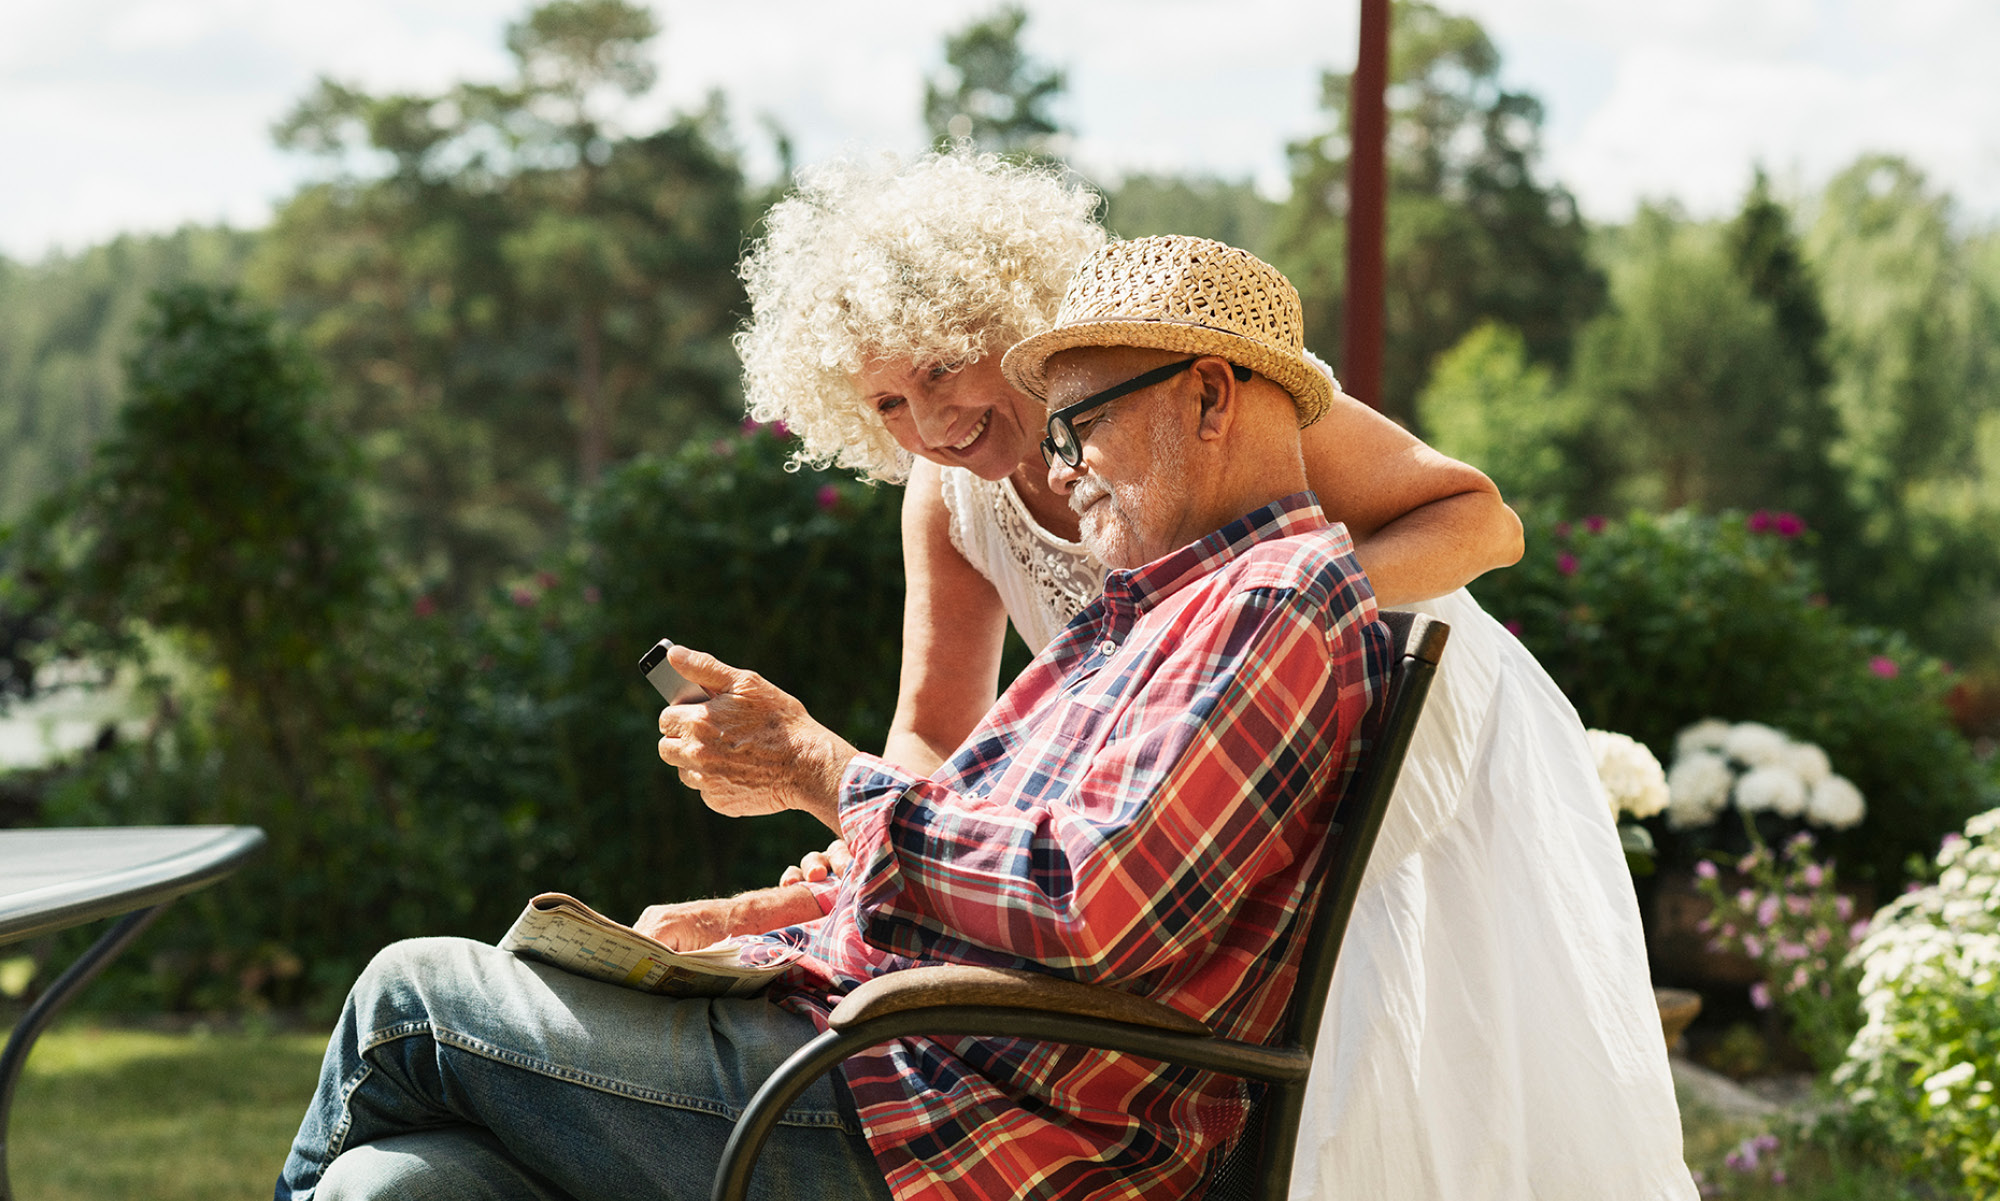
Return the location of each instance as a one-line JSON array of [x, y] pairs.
[[365, 516]]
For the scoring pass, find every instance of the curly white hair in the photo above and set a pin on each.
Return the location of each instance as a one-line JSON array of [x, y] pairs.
[[944, 260]]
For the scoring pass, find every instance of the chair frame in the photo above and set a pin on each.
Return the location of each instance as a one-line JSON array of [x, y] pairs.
[[949, 1001]]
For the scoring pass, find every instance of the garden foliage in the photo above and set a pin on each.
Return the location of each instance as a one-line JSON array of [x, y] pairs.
[[1652, 623], [422, 768], [1921, 1076]]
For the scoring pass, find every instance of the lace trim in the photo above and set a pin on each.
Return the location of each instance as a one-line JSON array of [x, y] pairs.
[[1064, 575]]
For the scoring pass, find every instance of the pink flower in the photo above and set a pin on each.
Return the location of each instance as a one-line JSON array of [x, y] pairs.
[[1744, 897], [524, 598], [1857, 931], [1562, 529], [1705, 869], [827, 498], [1814, 875], [1789, 525], [1884, 666], [1844, 906], [546, 580], [425, 606], [1753, 946], [1512, 627], [1793, 951], [1797, 906], [1760, 522], [1799, 979], [1767, 912], [1566, 563], [1760, 995], [1593, 524]]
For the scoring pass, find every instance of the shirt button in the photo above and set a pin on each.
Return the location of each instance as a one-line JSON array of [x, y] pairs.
[[1106, 647]]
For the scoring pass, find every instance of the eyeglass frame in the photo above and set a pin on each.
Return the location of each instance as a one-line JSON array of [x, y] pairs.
[[1062, 419]]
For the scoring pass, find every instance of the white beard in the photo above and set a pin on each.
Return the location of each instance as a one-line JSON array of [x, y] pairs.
[[1125, 529]]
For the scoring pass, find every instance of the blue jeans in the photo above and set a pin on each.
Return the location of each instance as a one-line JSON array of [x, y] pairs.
[[459, 1071]]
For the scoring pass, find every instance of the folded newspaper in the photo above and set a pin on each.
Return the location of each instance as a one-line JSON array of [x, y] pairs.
[[558, 929]]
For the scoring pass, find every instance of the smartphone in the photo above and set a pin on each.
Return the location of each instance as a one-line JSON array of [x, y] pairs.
[[675, 687]]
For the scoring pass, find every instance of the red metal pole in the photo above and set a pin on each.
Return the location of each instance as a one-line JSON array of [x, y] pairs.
[[1367, 201]]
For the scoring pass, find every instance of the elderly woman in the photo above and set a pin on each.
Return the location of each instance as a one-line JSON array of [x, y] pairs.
[[1491, 1032]]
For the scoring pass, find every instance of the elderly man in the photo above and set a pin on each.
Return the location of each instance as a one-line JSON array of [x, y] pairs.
[[1143, 808]]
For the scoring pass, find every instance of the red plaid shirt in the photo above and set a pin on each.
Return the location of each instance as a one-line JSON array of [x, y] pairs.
[[1142, 809]]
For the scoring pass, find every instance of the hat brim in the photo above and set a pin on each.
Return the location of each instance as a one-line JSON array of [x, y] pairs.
[[1025, 362]]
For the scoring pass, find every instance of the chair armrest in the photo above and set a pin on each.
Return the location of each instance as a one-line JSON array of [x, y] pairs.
[[957, 984]]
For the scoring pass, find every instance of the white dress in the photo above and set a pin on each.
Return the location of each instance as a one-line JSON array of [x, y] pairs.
[[1491, 1031]]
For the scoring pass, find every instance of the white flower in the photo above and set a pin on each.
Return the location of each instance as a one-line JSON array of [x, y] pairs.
[[1808, 761], [1633, 781], [1778, 789], [1836, 804], [1755, 744], [1983, 825], [1706, 735], [1697, 789]]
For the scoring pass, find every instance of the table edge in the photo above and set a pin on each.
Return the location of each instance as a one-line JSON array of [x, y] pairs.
[[73, 903]]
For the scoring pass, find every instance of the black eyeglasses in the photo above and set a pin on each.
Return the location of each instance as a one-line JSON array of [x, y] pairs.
[[1066, 444]]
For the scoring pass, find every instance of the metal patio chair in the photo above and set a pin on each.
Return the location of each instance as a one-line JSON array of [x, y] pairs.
[[957, 1000]]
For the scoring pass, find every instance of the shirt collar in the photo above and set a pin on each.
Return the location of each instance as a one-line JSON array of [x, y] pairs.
[[1143, 587]]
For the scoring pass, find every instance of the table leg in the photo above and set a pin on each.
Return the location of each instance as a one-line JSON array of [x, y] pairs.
[[44, 1010]]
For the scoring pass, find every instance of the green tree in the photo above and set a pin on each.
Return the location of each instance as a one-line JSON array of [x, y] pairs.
[[992, 93], [517, 278], [66, 325], [1769, 257], [1473, 236], [1489, 405], [1207, 207], [1688, 372], [1916, 384]]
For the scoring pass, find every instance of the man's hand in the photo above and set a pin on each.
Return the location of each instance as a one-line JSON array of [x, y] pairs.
[[691, 925], [687, 925], [832, 863], [751, 748]]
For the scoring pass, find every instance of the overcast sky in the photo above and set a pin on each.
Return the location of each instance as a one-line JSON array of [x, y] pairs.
[[143, 114]]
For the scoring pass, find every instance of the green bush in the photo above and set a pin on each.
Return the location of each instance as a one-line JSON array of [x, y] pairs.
[[1652, 623], [1921, 1076], [456, 762]]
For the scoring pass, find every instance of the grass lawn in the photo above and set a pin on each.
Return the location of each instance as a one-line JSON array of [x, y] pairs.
[[114, 1115]]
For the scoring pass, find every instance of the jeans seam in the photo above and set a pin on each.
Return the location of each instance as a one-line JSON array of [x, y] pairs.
[[816, 1118]]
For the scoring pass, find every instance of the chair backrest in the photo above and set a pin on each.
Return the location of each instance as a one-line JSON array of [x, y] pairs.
[[1261, 1165]]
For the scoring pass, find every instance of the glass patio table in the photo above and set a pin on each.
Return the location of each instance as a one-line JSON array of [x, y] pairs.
[[53, 879]]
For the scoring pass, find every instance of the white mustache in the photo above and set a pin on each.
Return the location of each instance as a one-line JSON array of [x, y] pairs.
[[1086, 492]]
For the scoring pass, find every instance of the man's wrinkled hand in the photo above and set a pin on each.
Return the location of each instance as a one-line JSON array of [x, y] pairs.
[[830, 864], [685, 925], [751, 748]]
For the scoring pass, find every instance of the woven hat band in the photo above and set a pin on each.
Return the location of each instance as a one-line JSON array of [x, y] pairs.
[[1188, 295]]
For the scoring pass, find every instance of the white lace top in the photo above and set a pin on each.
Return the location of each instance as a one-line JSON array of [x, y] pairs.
[[1043, 580]]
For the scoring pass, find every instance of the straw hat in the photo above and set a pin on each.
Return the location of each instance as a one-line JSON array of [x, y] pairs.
[[1187, 295]]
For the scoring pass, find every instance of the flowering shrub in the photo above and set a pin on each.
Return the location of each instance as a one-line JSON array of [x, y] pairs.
[[1788, 917], [1652, 623], [1921, 1073], [1760, 770], [1635, 786]]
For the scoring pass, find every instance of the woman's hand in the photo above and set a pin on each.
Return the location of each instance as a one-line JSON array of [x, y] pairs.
[[751, 748], [830, 864]]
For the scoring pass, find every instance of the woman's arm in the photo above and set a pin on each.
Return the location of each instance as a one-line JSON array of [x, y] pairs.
[[953, 628], [1423, 524]]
